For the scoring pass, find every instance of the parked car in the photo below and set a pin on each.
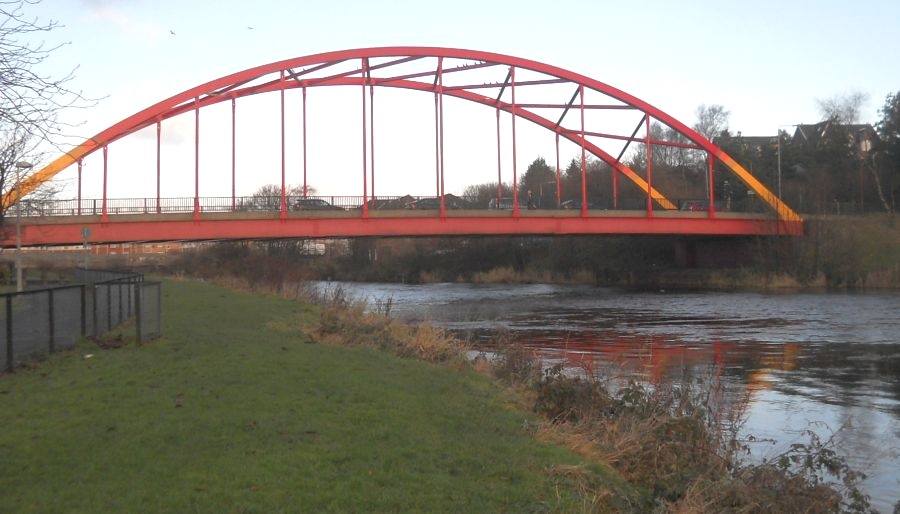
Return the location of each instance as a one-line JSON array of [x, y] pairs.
[[505, 202], [576, 204], [450, 202], [695, 205], [314, 204]]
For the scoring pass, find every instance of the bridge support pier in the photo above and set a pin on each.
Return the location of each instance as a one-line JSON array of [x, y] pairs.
[[701, 252], [686, 253]]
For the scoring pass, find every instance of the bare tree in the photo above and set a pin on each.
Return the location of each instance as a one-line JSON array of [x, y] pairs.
[[482, 194], [712, 120], [843, 108], [30, 101], [268, 197]]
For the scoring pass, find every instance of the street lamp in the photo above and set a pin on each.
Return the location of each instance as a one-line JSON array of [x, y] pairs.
[[541, 189], [778, 139], [21, 165]]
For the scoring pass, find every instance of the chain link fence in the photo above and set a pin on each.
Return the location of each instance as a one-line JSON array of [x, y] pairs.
[[39, 322]]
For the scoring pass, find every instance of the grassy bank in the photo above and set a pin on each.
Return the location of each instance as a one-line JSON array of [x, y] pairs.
[[235, 411]]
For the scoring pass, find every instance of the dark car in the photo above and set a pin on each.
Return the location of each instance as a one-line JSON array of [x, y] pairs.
[[424, 204], [314, 204], [576, 204]]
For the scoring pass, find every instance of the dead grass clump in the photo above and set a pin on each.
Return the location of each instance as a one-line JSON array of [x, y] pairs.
[[430, 277], [347, 322], [514, 364], [501, 275], [673, 442], [570, 399], [596, 496]]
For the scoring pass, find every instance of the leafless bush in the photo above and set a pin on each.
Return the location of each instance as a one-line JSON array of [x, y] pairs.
[[679, 441]]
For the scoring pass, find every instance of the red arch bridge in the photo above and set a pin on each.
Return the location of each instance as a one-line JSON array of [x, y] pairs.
[[480, 99]]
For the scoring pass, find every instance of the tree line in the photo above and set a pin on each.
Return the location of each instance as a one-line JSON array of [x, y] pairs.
[[837, 165]]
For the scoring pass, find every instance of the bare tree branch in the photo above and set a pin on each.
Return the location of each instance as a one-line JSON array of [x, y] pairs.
[[30, 100], [844, 109]]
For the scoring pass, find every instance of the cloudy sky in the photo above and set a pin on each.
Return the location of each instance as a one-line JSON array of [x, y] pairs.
[[766, 61]]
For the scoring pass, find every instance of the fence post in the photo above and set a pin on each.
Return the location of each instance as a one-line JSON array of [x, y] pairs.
[[108, 308], [94, 310], [158, 308], [52, 343], [137, 312], [83, 311], [9, 334]]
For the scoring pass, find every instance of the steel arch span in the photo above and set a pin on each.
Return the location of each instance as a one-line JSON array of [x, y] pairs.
[[447, 72]]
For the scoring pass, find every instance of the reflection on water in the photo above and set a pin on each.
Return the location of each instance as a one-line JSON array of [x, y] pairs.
[[802, 361]]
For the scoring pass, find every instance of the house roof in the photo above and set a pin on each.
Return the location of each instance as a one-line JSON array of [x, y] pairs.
[[814, 133]]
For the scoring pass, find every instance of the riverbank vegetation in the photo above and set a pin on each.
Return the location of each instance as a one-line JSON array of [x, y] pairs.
[[677, 444]]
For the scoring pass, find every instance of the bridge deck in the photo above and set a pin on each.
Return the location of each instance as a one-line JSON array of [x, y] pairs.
[[69, 230]]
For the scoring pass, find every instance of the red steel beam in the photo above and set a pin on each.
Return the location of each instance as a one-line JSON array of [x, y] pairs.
[[79, 186], [283, 153], [196, 158], [440, 79], [584, 207], [649, 167], [515, 184], [233, 152], [105, 175], [499, 177], [430, 73], [365, 204], [712, 187], [659, 142], [305, 188], [494, 86], [372, 136], [587, 106], [158, 162], [185, 228], [558, 174]]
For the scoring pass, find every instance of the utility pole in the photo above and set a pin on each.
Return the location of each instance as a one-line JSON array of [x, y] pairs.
[[778, 137], [21, 165]]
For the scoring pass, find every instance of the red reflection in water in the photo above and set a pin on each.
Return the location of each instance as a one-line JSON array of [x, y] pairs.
[[654, 358]]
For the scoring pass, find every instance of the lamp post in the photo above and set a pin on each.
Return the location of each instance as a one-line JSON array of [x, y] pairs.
[[778, 139], [21, 165], [541, 189]]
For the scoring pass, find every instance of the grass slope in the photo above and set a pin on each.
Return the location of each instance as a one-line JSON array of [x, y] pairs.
[[233, 411]]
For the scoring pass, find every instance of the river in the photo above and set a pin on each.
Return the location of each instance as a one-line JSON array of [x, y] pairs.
[[825, 362]]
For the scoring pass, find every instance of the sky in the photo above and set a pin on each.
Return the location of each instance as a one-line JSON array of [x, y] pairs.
[[767, 62]]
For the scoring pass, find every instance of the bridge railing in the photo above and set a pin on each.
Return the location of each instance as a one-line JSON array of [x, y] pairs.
[[43, 321], [132, 206]]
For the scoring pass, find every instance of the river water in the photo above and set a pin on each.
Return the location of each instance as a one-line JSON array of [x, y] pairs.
[[829, 363]]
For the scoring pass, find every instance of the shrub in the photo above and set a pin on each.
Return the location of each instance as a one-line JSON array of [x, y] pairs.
[[674, 441]]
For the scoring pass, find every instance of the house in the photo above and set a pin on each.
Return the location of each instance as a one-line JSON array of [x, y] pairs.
[[749, 145], [861, 137]]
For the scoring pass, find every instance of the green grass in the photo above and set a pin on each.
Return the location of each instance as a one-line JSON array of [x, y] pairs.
[[234, 411]]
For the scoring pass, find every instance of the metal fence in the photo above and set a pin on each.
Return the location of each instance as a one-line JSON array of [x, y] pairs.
[[39, 322]]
